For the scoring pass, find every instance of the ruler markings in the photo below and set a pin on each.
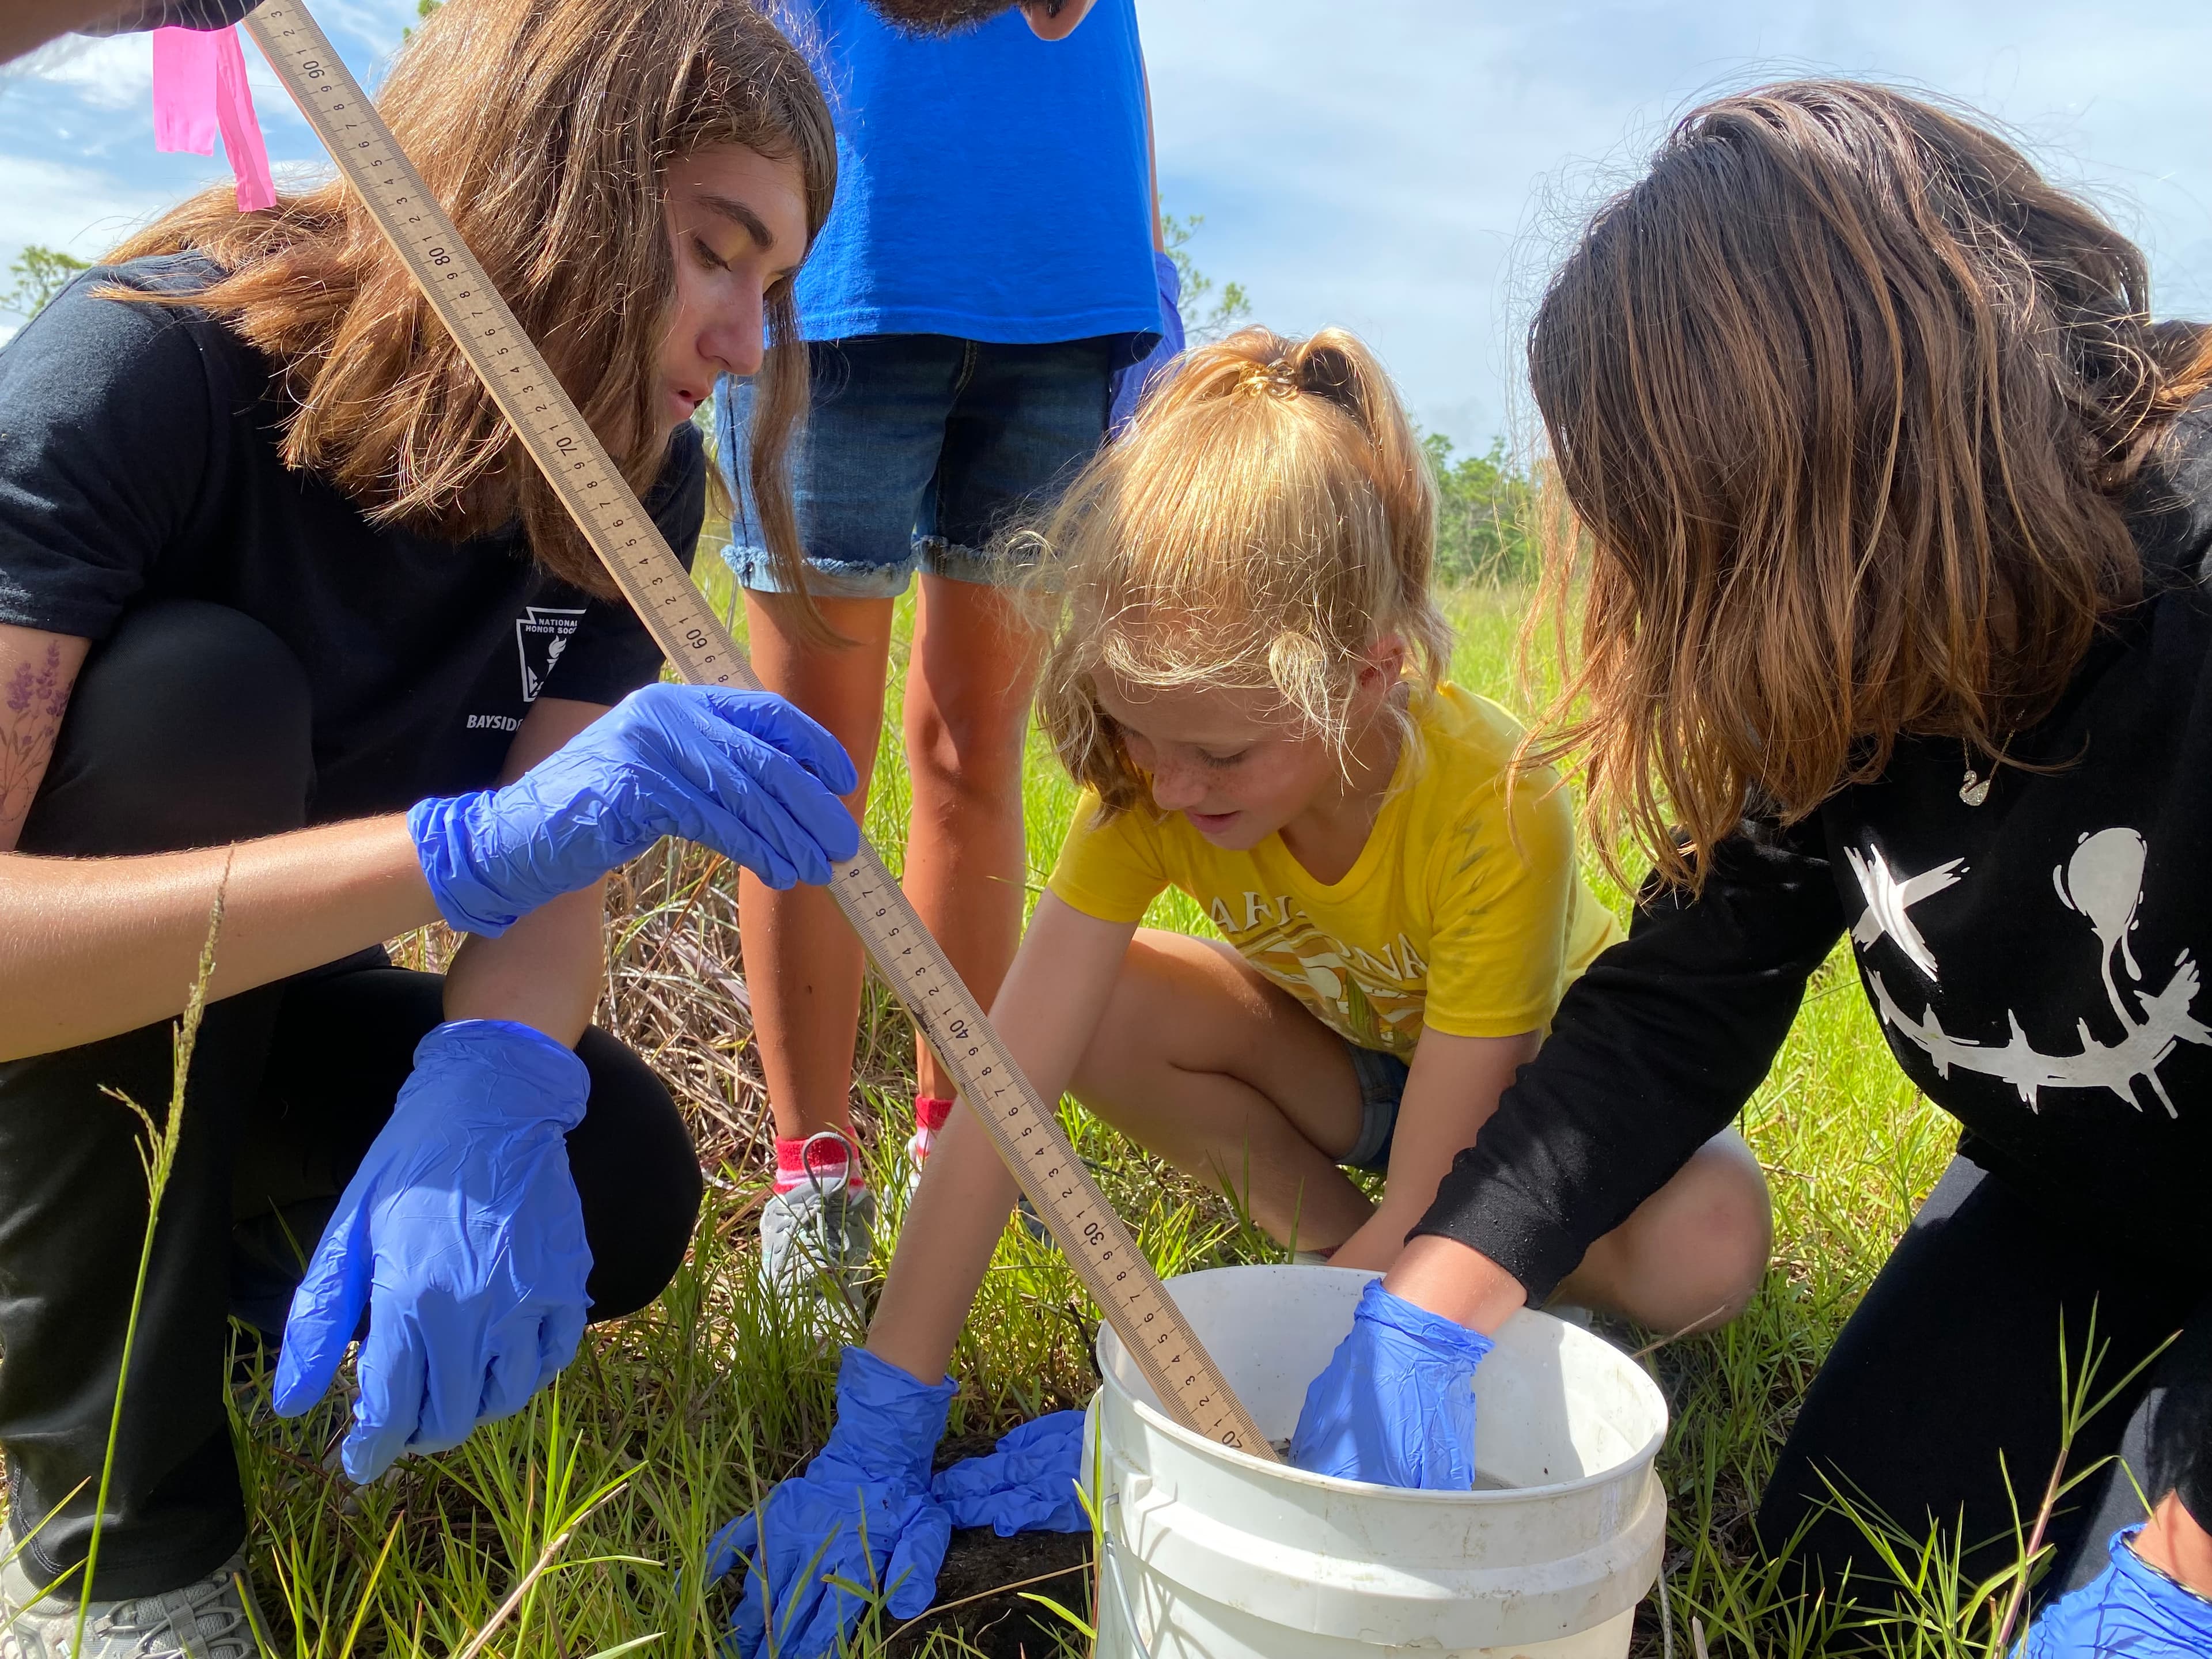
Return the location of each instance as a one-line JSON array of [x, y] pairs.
[[1026, 1131]]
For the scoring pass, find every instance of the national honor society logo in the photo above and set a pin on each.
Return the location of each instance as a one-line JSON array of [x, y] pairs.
[[541, 635]]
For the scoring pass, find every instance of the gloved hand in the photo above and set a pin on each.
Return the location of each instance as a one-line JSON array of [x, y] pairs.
[[2126, 1611], [1129, 385], [1028, 1485], [741, 772], [1395, 1405], [861, 1512], [462, 1237]]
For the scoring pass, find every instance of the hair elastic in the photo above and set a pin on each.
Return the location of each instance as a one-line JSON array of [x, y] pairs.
[[1278, 379]]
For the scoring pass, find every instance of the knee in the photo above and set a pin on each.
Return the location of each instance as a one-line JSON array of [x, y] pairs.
[[1724, 1230], [637, 1176], [968, 746], [191, 725], [1691, 1256]]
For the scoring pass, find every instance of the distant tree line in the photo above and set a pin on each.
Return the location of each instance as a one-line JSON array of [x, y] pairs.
[[1486, 516]]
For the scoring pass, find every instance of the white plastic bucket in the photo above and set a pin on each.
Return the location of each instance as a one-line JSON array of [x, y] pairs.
[[1210, 1554]]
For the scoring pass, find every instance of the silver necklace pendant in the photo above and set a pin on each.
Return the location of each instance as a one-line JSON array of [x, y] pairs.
[[1976, 789]]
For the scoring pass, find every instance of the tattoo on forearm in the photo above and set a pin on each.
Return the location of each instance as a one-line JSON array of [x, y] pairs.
[[31, 707]]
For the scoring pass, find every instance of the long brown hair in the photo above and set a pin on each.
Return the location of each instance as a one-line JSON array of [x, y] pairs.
[[1841, 398], [546, 127], [1268, 519]]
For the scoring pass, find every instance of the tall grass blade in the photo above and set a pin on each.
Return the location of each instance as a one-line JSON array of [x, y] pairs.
[[158, 1155]]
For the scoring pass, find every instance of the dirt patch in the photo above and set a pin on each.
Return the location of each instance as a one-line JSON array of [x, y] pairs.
[[975, 1599], [979, 1588]]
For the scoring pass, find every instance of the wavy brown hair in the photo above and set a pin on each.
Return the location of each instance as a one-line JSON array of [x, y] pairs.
[[547, 127], [1841, 398], [1268, 519]]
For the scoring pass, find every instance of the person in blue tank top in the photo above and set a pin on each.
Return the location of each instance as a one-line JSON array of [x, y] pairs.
[[990, 267]]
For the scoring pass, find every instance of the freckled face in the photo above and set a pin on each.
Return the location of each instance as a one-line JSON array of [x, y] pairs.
[[1231, 761], [736, 223]]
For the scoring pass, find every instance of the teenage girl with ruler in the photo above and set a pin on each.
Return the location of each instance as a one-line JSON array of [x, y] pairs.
[[279, 598], [1246, 676]]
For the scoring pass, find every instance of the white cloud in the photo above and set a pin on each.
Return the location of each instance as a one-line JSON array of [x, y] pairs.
[[73, 209], [1411, 171], [1407, 170], [118, 72]]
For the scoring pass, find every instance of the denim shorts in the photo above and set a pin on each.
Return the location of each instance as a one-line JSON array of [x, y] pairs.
[[1382, 1087], [919, 450]]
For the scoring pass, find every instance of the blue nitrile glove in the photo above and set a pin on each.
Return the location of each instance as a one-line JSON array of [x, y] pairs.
[[1397, 1404], [462, 1238], [741, 772], [1028, 1485], [1130, 384], [2126, 1611], [861, 1513]]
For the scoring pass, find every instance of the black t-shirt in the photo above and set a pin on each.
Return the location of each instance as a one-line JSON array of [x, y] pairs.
[[139, 461], [2036, 962]]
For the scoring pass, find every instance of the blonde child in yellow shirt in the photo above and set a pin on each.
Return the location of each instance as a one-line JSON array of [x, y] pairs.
[[1245, 676]]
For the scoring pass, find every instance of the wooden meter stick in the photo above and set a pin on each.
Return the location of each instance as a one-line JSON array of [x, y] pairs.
[[1028, 1135]]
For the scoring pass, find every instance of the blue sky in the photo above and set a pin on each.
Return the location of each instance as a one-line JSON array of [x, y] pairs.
[[1406, 167]]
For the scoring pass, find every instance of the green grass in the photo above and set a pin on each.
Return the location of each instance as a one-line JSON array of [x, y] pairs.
[[674, 1419]]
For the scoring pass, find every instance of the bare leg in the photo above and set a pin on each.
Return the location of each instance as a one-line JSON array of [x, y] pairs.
[[1204, 1062], [803, 962], [1691, 1256], [966, 715]]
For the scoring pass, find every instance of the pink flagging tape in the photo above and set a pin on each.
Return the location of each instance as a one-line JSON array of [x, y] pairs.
[[199, 87]]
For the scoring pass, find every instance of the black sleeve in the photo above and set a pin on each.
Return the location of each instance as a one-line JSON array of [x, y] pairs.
[[172, 14], [611, 655], [107, 435], [1654, 1049]]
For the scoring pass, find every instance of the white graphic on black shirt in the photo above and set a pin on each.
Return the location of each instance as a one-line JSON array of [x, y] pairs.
[[541, 635], [2103, 881], [1889, 899]]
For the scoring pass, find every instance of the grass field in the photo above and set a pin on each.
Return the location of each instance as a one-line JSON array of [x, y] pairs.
[[578, 1528]]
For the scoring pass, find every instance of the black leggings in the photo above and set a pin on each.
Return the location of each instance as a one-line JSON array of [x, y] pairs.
[[189, 728], [1953, 1359]]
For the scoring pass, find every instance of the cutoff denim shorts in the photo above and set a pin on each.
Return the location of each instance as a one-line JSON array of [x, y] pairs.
[[1382, 1089], [919, 451]]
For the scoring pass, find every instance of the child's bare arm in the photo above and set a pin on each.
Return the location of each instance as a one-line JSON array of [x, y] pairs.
[[1047, 1010], [1451, 1091]]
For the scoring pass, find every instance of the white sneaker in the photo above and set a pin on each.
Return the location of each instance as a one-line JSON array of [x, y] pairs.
[[207, 1619], [816, 1239]]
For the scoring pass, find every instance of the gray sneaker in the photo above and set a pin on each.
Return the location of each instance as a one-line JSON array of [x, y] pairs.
[[817, 1238], [207, 1619]]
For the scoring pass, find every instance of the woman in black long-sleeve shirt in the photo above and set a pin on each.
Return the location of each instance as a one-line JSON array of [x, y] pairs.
[[1897, 526]]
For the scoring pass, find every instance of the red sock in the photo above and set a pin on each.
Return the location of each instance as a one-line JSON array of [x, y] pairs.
[[930, 1113], [929, 1117], [826, 1157]]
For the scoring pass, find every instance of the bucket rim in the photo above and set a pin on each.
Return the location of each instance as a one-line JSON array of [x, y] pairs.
[[1639, 1460], [1642, 1457]]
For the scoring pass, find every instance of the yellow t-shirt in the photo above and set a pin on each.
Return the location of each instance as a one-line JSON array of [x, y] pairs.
[[1455, 916]]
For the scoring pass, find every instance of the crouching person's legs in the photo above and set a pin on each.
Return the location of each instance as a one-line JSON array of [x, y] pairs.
[[1202, 1061], [1691, 1256], [631, 1157], [188, 727]]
